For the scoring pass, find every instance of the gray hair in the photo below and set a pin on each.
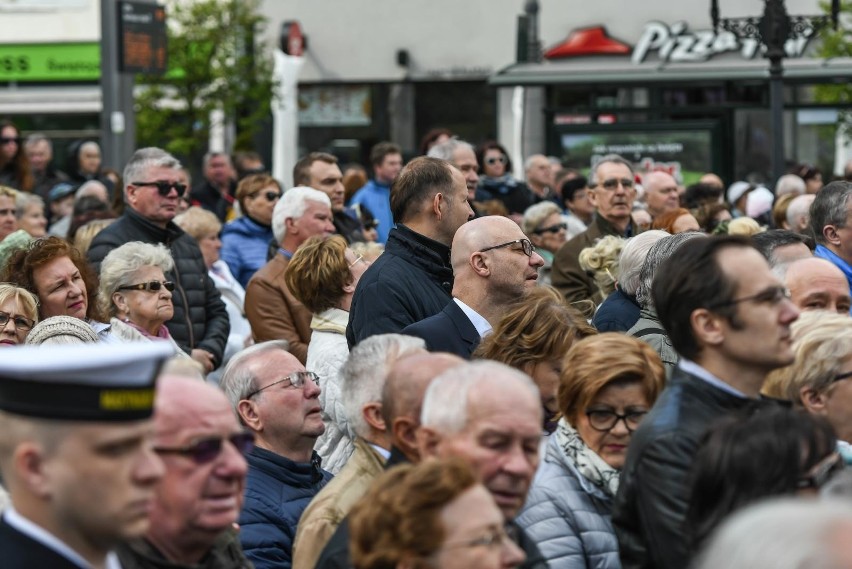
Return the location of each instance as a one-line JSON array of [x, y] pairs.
[[829, 208], [446, 149], [120, 265], [447, 399], [632, 256], [292, 205], [789, 184], [86, 189], [238, 379], [211, 155], [536, 214], [787, 533], [365, 371], [608, 158], [25, 200], [36, 138], [659, 252], [798, 207], [145, 158]]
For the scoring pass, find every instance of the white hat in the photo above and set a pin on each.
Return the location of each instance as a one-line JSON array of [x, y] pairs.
[[736, 191], [758, 202]]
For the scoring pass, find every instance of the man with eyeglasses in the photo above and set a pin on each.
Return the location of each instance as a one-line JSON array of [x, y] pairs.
[[153, 188], [729, 318], [277, 400], [612, 192], [76, 452], [198, 500], [494, 265]]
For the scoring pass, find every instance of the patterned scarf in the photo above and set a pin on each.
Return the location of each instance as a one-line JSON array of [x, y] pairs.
[[588, 463]]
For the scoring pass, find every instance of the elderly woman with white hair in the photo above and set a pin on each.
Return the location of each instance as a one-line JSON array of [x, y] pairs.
[[30, 214], [544, 226], [135, 293]]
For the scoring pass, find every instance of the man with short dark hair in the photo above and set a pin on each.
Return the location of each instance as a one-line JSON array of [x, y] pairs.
[[728, 317], [216, 191], [386, 158], [831, 215], [612, 191], [413, 278]]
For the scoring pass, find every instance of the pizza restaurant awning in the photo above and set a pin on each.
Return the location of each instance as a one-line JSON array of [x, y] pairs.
[[600, 70]]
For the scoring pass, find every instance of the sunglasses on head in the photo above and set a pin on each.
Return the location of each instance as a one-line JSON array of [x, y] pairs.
[[4, 140], [552, 229], [150, 286], [164, 188], [208, 449], [270, 196]]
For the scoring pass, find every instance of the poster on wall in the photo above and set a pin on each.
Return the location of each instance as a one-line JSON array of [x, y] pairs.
[[335, 105], [685, 153]]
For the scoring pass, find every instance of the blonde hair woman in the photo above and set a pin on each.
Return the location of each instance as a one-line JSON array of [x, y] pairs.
[[18, 314], [602, 260]]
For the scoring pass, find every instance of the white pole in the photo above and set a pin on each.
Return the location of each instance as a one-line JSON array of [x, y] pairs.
[[285, 116]]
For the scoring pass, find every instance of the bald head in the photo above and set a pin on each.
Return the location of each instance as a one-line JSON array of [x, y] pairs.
[[816, 284], [712, 180], [660, 193], [182, 401], [407, 382], [480, 233], [798, 212]]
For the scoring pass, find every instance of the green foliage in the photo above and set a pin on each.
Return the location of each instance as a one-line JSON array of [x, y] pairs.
[[214, 64], [837, 43]]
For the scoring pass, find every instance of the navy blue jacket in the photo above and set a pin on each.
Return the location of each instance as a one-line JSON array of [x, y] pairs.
[[617, 313], [277, 492], [448, 331]]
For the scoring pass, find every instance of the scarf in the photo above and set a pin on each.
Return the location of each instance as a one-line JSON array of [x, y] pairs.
[[588, 463]]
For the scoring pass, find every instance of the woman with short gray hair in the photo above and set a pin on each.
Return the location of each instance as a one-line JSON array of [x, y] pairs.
[[544, 226]]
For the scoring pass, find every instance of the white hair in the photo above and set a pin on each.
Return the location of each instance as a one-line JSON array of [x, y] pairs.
[[238, 379], [536, 214], [789, 184], [94, 188], [788, 533], [632, 256], [25, 200], [120, 265], [445, 150], [447, 399], [799, 207], [365, 371], [292, 205]]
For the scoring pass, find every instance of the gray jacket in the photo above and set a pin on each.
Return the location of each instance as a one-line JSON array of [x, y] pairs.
[[568, 516]]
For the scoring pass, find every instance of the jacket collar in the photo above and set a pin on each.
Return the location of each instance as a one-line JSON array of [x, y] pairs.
[[286, 471], [428, 254], [607, 228], [156, 233]]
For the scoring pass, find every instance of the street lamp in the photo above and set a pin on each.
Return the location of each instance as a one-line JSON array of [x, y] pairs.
[[772, 30]]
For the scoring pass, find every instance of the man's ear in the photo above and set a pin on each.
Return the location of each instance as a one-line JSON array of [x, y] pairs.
[[372, 413], [404, 434], [31, 469], [814, 401], [290, 226], [479, 263], [247, 410], [593, 197], [428, 441], [707, 327], [829, 232], [437, 201]]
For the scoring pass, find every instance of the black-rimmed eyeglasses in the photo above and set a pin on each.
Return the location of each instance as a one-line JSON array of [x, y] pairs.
[[604, 420], [150, 286], [526, 246], [297, 379], [771, 295], [208, 449], [163, 187]]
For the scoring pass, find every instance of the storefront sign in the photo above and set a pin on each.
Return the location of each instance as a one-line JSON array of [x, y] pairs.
[[344, 105], [50, 62]]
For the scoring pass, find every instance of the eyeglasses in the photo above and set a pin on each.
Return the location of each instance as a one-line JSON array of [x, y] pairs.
[[603, 420], [496, 159], [358, 260], [297, 379], [150, 286], [611, 184], [208, 449], [163, 187], [822, 472], [772, 295], [494, 538], [7, 140], [21, 323], [270, 195], [526, 245], [552, 229]]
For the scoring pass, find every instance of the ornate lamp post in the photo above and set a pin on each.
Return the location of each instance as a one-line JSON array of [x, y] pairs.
[[772, 30]]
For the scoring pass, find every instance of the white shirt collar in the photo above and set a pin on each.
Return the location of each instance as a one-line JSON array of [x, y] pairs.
[[481, 324], [704, 375], [384, 453]]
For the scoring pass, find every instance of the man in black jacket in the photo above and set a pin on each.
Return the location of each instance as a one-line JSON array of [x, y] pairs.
[[729, 318], [152, 190], [413, 278]]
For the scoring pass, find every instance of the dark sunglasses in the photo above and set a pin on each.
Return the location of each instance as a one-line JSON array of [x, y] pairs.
[[494, 160], [163, 188], [6, 140], [270, 195], [21, 323], [150, 286], [208, 449], [552, 229]]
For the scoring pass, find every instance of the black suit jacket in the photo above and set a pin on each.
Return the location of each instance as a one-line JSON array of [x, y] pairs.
[[19, 551], [448, 331]]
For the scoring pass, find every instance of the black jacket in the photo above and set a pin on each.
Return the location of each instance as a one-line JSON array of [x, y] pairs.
[[210, 198], [410, 281], [200, 319], [23, 552], [650, 509], [448, 331]]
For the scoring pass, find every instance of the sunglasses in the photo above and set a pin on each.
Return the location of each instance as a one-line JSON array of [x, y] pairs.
[[552, 229], [164, 188], [150, 286], [612, 184], [208, 449], [21, 323], [494, 160], [6, 140], [270, 195], [525, 244]]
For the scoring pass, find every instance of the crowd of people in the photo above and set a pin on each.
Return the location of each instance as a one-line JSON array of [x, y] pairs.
[[439, 366]]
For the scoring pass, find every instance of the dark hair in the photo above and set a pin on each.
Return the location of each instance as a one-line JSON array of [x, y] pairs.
[[430, 137], [572, 186], [768, 241], [690, 280], [23, 176], [23, 263], [420, 180], [302, 169], [700, 194], [492, 145], [749, 456], [806, 171], [706, 216], [239, 160], [382, 149], [829, 207]]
